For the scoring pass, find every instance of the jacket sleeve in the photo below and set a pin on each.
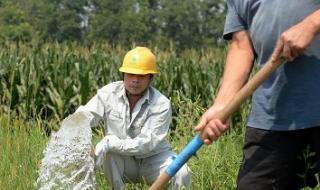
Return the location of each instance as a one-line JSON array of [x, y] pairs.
[[153, 132], [95, 106]]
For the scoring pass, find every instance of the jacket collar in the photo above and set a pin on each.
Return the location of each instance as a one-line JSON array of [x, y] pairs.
[[145, 98]]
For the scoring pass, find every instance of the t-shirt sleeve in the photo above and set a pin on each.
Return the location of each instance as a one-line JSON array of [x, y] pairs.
[[233, 21]]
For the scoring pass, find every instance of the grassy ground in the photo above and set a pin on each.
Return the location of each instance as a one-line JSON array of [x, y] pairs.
[[21, 154]]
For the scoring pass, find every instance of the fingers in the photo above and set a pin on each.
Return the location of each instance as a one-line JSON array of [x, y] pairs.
[[287, 53], [277, 51], [213, 130], [290, 52], [284, 48]]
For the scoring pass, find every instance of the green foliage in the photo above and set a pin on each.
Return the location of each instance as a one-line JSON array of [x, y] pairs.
[[196, 75], [26, 20], [186, 24], [183, 24], [52, 80], [122, 22], [191, 23], [59, 20], [13, 23]]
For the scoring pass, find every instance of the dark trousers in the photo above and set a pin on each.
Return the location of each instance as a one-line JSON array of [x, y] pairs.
[[281, 160]]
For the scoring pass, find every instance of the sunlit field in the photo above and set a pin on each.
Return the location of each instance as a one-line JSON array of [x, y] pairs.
[[42, 84]]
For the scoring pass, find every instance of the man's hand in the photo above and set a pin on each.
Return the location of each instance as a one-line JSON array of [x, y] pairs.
[[296, 39], [101, 148], [209, 127]]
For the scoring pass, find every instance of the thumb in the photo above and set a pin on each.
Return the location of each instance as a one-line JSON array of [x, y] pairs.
[[201, 124]]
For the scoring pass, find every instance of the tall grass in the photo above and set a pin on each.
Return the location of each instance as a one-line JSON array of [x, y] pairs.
[[21, 149]]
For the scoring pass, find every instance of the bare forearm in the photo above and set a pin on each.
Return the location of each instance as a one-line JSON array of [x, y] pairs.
[[237, 69], [313, 21]]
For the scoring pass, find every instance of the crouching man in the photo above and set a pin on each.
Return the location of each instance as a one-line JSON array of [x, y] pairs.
[[137, 119]]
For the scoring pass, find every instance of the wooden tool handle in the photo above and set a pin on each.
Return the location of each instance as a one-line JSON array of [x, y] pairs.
[[161, 182]]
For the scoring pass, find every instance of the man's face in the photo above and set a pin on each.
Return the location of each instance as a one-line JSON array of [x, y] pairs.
[[136, 84]]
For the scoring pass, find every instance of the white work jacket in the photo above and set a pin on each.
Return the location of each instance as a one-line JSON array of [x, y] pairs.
[[140, 133]]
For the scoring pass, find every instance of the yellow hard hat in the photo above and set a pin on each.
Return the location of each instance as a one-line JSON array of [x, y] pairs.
[[140, 61]]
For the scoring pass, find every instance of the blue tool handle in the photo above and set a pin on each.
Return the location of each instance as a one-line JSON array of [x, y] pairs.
[[190, 150]]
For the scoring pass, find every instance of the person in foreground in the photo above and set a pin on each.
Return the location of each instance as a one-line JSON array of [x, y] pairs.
[[137, 118], [284, 121]]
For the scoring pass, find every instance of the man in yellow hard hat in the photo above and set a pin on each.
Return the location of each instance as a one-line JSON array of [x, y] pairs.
[[137, 118]]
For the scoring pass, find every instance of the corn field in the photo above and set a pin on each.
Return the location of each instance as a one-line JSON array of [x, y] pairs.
[[52, 80]]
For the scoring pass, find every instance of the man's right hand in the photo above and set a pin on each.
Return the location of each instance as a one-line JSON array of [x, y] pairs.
[[211, 128]]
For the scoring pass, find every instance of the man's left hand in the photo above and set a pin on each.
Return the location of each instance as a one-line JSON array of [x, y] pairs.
[[294, 41], [101, 148]]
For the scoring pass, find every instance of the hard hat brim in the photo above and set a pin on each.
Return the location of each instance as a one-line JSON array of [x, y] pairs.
[[137, 71]]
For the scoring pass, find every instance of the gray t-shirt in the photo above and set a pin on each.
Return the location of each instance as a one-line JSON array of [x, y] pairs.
[[290, 98]]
